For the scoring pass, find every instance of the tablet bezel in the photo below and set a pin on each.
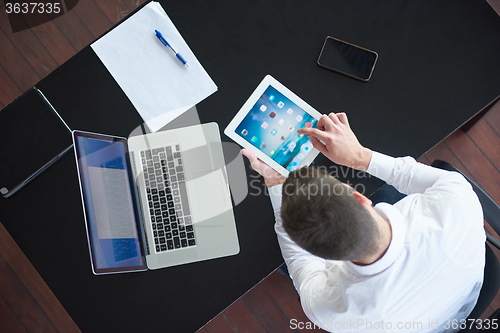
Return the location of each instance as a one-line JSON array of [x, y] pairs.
[[230, 130]]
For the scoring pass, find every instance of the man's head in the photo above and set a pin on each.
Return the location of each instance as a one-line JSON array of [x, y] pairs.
[[326, 217]]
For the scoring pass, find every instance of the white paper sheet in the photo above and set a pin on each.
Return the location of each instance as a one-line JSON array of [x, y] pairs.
[[157, 83]]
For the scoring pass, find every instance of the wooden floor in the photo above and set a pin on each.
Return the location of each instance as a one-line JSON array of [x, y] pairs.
[[28, 305]]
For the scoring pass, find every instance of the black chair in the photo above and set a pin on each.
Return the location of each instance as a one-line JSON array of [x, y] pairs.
[[491, 283]]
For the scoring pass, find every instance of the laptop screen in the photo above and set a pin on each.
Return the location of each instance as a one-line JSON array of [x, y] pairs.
[[112, 222]]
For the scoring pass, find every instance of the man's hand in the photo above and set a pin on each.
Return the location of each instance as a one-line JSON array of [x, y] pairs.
[[339, 143], [271, 176]]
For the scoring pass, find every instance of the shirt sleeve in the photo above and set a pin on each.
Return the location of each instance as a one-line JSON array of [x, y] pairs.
[[302, 265], [409, 176]]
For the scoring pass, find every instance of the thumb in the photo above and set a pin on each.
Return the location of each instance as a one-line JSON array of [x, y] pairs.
[[252, 158], [249, 154]]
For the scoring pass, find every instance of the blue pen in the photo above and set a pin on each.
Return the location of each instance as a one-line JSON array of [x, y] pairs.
[[164, 41]]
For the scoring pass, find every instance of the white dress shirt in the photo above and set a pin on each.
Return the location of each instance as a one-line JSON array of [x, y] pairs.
[[428, 279]]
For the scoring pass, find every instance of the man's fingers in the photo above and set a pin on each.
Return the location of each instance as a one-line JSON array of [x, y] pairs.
[[318, 145], [315, 135], [250, 155], [325, 122], [333, 117], [314, 132], [252, 158], [342, 116], [262, 168]]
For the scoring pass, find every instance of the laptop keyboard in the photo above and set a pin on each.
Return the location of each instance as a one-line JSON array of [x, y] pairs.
[[163, 171]]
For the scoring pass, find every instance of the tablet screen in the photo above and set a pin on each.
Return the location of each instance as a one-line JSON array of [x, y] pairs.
[[271, 126]]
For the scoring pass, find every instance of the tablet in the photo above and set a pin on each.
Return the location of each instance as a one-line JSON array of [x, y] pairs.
[[32, 137], [267, 124]]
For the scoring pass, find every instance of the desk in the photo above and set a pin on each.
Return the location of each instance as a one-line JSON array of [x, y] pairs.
[[433, 74]]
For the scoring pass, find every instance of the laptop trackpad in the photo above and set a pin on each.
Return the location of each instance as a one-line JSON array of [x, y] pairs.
[[208, 195]]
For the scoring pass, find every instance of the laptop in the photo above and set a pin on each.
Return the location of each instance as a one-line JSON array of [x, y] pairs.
[[155, 200]]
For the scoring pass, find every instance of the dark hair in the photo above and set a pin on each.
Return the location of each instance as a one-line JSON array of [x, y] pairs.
[[322, 216]]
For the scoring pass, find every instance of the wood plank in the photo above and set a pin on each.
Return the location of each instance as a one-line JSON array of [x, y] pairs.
[[30, 47], [15, 64], [8, 320], [485, 174], [488, 312], [54, 41], [114, 11], [280, 288], [424, 159], [242, 319], [20, 301], [266, 311], [202, 330], [93, 18], [41, 295], [9, 91], [487, 141], [132, 4], [442, 152], [73, 30], [471, 122], [493, 118], [495, 4], [219, 325], [495, 304]]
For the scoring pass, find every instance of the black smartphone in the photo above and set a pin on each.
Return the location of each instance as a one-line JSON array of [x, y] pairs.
[[347, 59]]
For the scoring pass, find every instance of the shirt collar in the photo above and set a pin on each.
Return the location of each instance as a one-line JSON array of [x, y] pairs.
[[395, 218]]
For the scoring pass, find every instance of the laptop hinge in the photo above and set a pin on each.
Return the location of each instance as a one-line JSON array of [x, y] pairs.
[[138, 203]]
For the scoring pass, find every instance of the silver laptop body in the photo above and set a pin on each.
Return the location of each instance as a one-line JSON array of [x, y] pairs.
[[207, 191]]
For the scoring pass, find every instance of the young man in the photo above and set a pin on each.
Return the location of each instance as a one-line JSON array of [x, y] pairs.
[[414, 266]]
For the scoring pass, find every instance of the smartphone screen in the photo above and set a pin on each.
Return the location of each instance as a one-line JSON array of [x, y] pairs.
[[348, 59]]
